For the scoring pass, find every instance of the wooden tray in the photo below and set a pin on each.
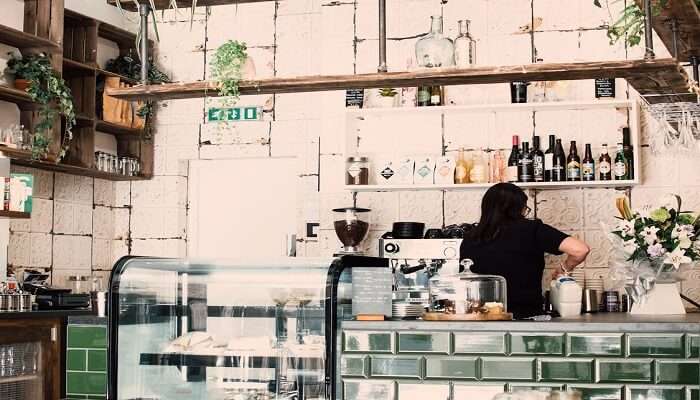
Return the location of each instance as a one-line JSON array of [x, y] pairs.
[[467, 317]]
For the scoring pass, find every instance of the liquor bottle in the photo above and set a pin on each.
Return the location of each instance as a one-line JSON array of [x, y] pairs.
[[479, 172], [549, 159], [435, 96], [525, 167], [559, 163], [537, 160], [605, 165], [434, 50], [573, 164], [621, 167], [588, 165], [461, 168], [629, 151], [512, 175], [465, 46], [423, 96]]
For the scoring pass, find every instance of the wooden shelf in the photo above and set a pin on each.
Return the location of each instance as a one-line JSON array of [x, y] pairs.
[[687, 15], [473, 186], [165, 4], [22, 40], [76, 67], [651, 75], [23, 158], [82, 121], [123, 78], [16, 96], [118, 130], [14, 215]]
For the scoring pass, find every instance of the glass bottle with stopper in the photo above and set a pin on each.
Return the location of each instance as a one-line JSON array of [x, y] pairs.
[[434, 50], [465, 46]]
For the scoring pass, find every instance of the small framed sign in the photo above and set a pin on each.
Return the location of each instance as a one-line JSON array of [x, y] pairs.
[[229, 114], [605, 88]]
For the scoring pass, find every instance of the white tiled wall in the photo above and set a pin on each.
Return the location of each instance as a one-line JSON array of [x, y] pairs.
[[99, 221]]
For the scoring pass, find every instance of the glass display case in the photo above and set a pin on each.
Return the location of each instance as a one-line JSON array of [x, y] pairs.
[[213, 330]]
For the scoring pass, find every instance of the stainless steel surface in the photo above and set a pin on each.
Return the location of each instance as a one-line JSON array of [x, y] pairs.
[[4, 302], [382, 37], [648, 31], [144, 11], [14, 304], [25, 302], [589, 303]]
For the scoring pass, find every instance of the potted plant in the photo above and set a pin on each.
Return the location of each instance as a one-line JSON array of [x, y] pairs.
[[386, 98], [653, 244], [52, 94], [229, 66]]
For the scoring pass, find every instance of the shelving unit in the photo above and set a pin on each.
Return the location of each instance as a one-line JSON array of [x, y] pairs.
[[14, 215], [687, 17], [359, 128], [644, 75], [165, 4], [26, 41], [19, 97]]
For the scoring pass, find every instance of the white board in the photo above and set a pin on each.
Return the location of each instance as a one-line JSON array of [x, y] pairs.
[[241, 208]]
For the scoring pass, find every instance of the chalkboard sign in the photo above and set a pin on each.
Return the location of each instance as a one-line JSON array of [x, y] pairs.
[[371, 291], [605, 88], [354, 98]]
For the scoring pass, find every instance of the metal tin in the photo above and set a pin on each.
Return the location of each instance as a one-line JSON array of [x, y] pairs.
[[4, 302], [14, 303], [25, 303]]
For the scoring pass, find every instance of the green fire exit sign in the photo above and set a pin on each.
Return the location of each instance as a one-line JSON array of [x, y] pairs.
[[216, 114]]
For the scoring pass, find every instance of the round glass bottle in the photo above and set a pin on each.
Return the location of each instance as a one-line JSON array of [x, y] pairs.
[[465, 46], [434, 50]]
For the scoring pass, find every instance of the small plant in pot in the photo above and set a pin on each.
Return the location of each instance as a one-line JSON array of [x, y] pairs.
[[53, 96], [386, 98]]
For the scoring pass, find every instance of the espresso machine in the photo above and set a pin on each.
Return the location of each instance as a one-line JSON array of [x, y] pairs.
[[414, 262]]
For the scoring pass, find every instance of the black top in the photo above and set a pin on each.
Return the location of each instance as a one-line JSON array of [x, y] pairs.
[[517, 254]]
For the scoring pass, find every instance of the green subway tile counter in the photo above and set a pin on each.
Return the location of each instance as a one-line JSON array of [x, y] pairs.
[[606, 356]]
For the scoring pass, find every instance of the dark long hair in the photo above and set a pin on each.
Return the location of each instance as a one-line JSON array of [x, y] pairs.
[[502, 204]]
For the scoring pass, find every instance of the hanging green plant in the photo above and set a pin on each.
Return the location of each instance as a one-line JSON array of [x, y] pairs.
[[52, 94], [226, 69]]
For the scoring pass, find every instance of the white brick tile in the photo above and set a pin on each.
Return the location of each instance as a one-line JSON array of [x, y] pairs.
[[104, 192], [463, 207], [122, 194], [119, 250], [423, 207], [121, 219], [230, 151], [19, 249], [160, 191], [158, 222], [159, 248], [41, 253], [65, 187], [43, 181], [101, 254], [72, 218], [250, 132], [103, 223], [42, 215], [84, 190]]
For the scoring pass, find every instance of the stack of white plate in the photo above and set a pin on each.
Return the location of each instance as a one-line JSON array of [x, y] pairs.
[[406, 310]]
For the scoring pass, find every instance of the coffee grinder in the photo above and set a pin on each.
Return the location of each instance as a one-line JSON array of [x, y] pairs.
[[351, 225]]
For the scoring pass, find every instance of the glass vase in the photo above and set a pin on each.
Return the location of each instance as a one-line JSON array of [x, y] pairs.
[[434, 50]]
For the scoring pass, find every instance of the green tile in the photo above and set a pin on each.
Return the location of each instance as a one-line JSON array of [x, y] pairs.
[[540, 387], [598, 392], [86, 382], [353, 365], [76, 360], [366, 389], [590, 345], [361, 341], [694, 394], [480, 343], [524, 344], [87, 337], [451, 368], [566, 370], [655, 392], [624, 371], [97, 397], [678, 372], [656, 345], [97, 360], [507, 369], [403, 367], [429, 342], [694, 345]]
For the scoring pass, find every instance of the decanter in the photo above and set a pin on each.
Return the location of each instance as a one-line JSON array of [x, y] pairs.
[[434, 50], [465, 46]]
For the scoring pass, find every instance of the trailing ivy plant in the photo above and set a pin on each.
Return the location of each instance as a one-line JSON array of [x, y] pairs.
[[226, 69], [52, 94]]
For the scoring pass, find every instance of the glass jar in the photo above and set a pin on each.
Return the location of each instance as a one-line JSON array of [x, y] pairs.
[[469, 293], [78, 284], [465, 46], [434, 50], [357, 171]]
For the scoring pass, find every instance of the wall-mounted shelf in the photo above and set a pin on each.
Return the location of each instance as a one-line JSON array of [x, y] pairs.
[[123, 78], [118, 130], [477, 186], [650, 75], [14, 215], [165, 4], [687, 16], [73, 67], [12, 95], [26, 41]]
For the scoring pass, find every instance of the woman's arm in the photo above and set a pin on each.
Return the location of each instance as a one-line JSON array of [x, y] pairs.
[[576, 252]]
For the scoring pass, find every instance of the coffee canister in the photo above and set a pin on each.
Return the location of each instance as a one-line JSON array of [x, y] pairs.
[[14, 302], [4, 302]]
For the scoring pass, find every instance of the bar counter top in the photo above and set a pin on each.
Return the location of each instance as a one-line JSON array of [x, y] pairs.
[[45, 313], [601, 322]]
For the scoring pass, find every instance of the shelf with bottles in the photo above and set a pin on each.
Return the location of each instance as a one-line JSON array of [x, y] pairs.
[[622, 184]]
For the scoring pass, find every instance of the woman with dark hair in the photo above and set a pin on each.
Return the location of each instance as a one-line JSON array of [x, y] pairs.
[[506, 243]]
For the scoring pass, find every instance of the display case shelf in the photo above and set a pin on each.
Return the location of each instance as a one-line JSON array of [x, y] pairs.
[[165, 4], [476, 186], [645, 75], [249, 360], [22, 40]]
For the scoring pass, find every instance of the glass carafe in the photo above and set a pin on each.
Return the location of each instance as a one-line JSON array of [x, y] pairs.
[[434, 50], [465, 46]]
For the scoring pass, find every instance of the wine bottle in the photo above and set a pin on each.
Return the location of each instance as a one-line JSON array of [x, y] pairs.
[[435, 96], [525, 167], [621, 167], [559, 163], [423, 96], [573, 164], [537, 160], [588, 165], [512, 174], [605, 165], [549, 159], [461, 168], [629, 152]]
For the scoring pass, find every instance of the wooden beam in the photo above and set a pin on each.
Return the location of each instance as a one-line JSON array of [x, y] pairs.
[[668, 69], [687, 17], [165, 4]]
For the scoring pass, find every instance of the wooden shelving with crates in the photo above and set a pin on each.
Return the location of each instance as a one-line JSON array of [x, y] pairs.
[[165, 4]]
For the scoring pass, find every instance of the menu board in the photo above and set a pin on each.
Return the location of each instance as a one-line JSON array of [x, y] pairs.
[[354, 98], [371, 291], [604, 87]]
